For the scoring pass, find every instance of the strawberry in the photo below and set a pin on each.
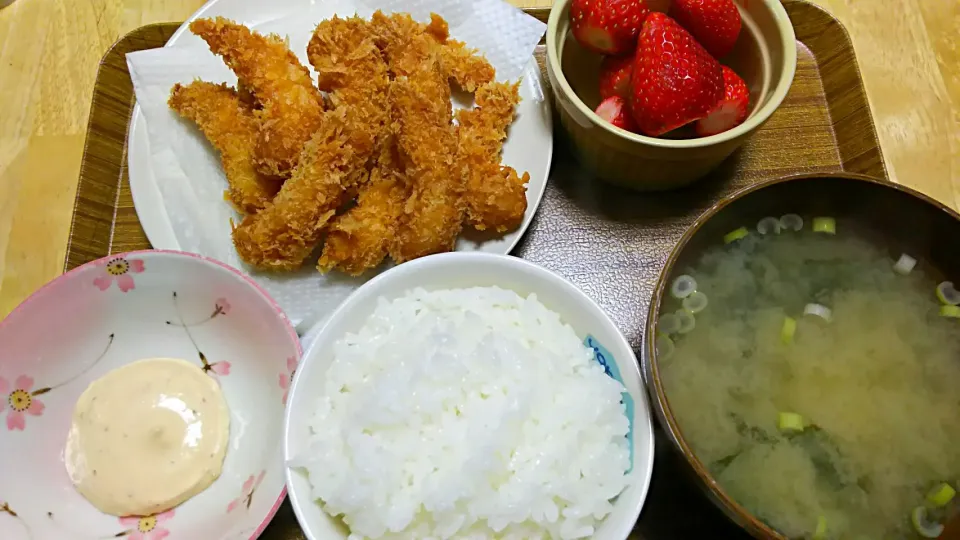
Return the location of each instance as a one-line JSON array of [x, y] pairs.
[[715, 23], [730, 111], [675, 81], [614, 110], [608, 26], [615, 74]]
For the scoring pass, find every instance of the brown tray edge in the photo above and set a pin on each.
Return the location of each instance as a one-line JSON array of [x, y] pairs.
[[847, 96], [104, 153]]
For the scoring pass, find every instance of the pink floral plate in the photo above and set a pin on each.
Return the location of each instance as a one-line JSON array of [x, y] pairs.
[[117, 310]]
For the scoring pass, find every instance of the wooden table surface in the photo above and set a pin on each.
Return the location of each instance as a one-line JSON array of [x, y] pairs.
[[49, 50]]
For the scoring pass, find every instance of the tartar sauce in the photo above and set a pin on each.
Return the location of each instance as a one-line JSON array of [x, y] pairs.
[[147, 436]]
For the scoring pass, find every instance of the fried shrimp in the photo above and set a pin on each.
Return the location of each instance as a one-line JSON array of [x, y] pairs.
[[495, 196], [353, 71], [420, 105], [230, 127], [463, 65], [335, 160], [357, 240], [292, 108]]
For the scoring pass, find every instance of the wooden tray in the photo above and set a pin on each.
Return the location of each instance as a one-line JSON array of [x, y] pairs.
[[610, 242]]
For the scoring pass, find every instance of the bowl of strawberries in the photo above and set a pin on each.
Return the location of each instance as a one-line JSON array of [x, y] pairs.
[[655, 94]]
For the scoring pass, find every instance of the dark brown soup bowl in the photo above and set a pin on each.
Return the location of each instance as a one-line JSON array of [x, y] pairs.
[[893, 217]]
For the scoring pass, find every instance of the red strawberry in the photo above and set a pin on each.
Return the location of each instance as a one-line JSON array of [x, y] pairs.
[[614, 110], [715, 23], [608, 26], [615, 74], [675, 81], [731, 111]]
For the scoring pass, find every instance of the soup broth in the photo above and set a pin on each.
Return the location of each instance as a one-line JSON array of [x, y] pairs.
[[867, 390]]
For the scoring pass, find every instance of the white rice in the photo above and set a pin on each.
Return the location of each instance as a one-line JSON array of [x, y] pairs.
[[467, 413]]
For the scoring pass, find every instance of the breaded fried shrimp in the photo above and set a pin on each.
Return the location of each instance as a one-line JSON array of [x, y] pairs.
[[292, 106], [282, 235], [495, 196], [230, 127], [420, 105], [465, 66], [357, 240], [335, 160], [458, 62]]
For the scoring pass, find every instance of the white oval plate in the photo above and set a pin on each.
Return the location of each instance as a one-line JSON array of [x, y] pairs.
[[529, 147]]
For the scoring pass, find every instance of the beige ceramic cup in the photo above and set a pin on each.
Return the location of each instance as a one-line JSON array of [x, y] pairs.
[[765, 56]]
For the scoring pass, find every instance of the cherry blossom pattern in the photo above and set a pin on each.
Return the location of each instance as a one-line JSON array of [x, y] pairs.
[[119, 269], [287, 377], [21, 398], [247, 491], [22, 401], [6, 510], [216, 368], [221, 307], [146, 527]]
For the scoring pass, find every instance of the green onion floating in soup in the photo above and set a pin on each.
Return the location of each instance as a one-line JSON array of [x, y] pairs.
[[791, 222], [904, 264], [818, 310], [687, 321], [695, 303], [948, 294], [769, 225], [668, 324], [790, 422], [825, 225], [683, 286], [665, 346], [951, 312], [788, 329], [941, 495], [736, 234], [821, 531], [923, 525]]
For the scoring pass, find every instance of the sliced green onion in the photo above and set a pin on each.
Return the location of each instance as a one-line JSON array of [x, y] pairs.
[[818, 310], [826, 225], [735, 235], [904, 264], [951, 312], [769, 225], [788, 329], [683, 286], [696, 302], [789, 421], [941, 495], [948, 294], [664, 346], [687, 321], [791, 222], [668, 324], [821, 532], [925, 528]]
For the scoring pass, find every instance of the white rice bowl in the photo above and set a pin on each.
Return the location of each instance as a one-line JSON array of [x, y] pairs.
[[468, 412]]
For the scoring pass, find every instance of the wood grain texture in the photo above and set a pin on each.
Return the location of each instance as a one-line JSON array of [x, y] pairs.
[[49, 50]]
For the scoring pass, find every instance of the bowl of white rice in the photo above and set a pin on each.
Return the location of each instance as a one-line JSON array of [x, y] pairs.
[[468, 396]]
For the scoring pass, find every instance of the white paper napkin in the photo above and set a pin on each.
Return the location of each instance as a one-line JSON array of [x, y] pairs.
[[187, 169]]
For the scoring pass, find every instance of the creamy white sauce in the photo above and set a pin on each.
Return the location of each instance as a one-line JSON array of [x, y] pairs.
[[147, 436]]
